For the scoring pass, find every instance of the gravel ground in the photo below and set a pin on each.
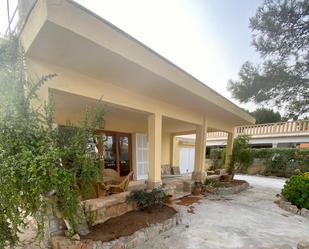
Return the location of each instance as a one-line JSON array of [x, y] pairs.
[[250, 219]]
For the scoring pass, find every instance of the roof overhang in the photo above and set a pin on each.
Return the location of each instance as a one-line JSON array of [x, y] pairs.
[[68, 35]]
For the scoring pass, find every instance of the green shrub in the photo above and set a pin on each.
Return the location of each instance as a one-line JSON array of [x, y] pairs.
[[147, 199], [217, 155], [280, 162], [296, 190], [283, 162], [34, 164], [211, 183], [241, 156]]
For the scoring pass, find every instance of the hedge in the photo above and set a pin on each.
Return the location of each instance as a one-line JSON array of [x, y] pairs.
[[280, 162], [283, 161]]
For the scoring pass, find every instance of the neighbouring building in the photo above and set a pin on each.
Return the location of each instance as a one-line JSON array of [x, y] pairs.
[[292, 134]]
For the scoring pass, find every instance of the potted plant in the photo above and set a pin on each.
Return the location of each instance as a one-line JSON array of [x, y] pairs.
[[230, 172], [197, 188], [169, 199]]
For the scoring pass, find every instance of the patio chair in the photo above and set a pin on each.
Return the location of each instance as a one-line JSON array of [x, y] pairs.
[[110, 176], [121, 187], [101, 189]]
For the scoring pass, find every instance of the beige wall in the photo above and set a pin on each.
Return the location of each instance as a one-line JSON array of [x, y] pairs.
[[111, 123], [79, 84], [82, 86], [166, 146]]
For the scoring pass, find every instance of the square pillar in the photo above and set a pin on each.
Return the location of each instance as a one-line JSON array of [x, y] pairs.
[[229, 148], [154, 139], [174, 155], [200, 152]]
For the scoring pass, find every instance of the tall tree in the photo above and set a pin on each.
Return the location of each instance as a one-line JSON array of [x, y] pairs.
[[281, 36], [264, 115]]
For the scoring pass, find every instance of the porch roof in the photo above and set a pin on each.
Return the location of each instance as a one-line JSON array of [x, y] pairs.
[[71, 36]]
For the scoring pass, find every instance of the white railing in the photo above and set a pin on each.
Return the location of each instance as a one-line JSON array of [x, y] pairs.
[[216, 134], [299, 126], [290, 127]]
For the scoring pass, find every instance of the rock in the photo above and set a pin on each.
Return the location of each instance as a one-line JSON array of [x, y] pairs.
[[98, 245], [293, 209], [138, 238], [119, 245], [304, 244], [304, 212], [76, 237]]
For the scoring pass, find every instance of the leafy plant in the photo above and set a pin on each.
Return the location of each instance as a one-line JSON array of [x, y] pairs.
[[90, 215], [241, 155], [280, 162], [211, 183], [34, 159], [147, 199], [296, 189], [283, 161], [218, 158]]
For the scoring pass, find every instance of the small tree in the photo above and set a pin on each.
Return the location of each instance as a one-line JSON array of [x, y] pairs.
[[241, 155], [34, 161]]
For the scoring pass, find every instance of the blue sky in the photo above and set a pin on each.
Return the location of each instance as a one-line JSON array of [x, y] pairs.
[[210, 39]]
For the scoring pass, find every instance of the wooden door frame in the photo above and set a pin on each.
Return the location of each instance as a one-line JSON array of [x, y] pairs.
[[117, 135]]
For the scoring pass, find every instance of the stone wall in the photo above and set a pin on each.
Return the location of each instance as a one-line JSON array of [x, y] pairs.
[[258, 167], [229, 190], [166, 169], [292, 208], [101, 209]]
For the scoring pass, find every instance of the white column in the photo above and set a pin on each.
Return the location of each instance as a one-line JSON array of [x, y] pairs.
[[154, 139], [200, 152], [229, 148], [275, 145], [174, 152]]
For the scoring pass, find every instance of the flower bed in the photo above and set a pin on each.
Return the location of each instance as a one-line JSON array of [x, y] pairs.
[[157, 222], [227, 188]]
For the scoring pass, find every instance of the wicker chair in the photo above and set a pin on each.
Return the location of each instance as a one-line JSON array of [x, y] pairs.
[[121, 187], [111, 175]]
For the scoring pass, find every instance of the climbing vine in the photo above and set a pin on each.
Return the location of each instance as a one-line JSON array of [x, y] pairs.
[[36, 158]]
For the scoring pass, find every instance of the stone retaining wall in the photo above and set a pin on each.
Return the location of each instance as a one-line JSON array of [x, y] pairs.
[[292, 208], [136, 239], [101, 209], [231, 190]]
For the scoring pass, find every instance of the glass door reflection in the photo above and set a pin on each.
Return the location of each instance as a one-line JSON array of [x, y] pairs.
[[124, 154]]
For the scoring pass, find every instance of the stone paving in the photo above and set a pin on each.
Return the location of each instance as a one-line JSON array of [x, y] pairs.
[[250, 219]]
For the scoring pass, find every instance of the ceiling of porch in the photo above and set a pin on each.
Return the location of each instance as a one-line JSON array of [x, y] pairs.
[[69, 107], [65, 48]]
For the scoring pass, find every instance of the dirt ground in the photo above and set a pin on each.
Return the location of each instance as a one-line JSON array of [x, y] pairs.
[[188, 200], [129, 223]]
